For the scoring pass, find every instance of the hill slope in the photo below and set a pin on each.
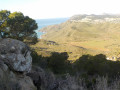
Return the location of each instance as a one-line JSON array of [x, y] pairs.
[[97, 34]]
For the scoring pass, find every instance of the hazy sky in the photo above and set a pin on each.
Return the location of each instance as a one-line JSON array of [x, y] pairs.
[[38, 9]]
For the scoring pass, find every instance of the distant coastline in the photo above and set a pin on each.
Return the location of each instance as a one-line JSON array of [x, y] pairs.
[[46, 22]]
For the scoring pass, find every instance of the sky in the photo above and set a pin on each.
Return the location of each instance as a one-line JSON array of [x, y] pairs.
[[41, 9]]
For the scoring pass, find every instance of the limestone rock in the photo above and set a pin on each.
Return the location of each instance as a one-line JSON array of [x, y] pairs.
[[15, 54]]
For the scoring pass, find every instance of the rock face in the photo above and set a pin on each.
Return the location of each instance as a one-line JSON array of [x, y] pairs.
[[15, 54], [15, 61]]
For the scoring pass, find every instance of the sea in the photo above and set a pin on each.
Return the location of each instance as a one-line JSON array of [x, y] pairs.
[[45, 22]]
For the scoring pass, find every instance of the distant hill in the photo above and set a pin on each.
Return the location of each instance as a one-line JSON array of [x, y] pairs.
[[101, 36], [81, 31]]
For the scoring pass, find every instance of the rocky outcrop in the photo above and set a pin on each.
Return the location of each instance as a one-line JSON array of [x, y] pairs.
[[16, 71], [15, 62], [15, 54]]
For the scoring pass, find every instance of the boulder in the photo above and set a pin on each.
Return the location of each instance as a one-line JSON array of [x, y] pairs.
[[15, 54], [15, 61]]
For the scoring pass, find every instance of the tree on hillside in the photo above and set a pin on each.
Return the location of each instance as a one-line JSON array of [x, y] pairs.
[[19, 27]]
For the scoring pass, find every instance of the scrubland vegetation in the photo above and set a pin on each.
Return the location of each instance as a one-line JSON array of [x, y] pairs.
[[86, 73]]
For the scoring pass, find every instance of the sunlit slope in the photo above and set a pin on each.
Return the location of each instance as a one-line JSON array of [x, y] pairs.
[[72, 31], [98, 36]]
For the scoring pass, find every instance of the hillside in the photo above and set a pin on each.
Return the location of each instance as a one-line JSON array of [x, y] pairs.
[[96, 33]]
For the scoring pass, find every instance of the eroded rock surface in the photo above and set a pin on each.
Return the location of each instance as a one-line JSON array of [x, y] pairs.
[[15, 54]]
